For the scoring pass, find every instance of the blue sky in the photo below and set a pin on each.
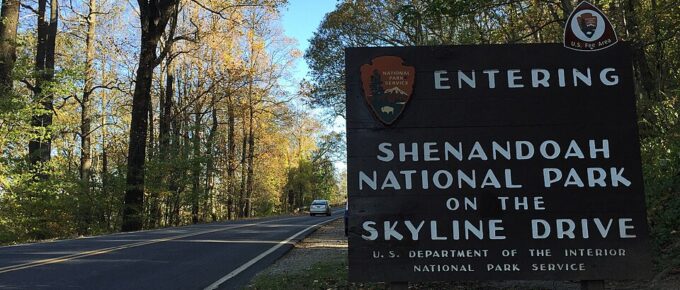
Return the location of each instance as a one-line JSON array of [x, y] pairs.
[[300, 18]]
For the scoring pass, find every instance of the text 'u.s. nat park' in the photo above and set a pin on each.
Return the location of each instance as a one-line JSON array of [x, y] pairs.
[[494, 162]]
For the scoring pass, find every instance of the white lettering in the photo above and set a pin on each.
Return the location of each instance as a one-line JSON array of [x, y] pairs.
[[439, 78]]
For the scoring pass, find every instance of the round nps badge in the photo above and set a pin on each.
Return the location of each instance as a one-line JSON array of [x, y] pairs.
[[588, 29]]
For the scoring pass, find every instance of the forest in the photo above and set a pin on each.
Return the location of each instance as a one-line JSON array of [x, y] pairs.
[[116, 115], [651, 27]]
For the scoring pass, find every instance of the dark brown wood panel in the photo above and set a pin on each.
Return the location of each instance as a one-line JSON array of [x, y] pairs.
[[569, 117]]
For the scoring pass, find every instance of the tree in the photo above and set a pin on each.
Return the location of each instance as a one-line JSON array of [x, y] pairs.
[[9, 21], [352, 24], [210, 100], [86, 109], [39, 149], [400, 23], [153, 16]]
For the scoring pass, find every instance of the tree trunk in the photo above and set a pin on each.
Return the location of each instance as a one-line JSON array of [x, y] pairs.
[[242, 189], [567, 7], [640, 62], [9, 20], [152, 143], [659, 52], [134, 195], [154, 16], [231, 157], [180, 150], [185, 148], [164, 123], [251, 156], [39, 149], [246, 159], [86, 120], [165, 117], [111, 206], [196, 167], [209, 201]]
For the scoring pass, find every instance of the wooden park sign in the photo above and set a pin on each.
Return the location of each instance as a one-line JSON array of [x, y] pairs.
[[494, 162]]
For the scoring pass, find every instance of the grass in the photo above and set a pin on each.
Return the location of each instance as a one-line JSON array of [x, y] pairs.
[[321, 275], [332, 274]]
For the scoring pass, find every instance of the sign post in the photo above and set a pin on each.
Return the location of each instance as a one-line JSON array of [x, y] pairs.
[[494, 162]]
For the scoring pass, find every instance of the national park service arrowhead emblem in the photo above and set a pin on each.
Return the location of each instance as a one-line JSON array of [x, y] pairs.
[[587, 29], [387, 85]]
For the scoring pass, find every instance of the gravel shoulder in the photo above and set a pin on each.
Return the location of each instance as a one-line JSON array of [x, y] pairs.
[[327, 243]]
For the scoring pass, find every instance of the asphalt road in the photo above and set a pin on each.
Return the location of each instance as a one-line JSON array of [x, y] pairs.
[[222, 255]]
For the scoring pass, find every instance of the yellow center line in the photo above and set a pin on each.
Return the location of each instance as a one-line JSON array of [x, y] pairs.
[[121, 247]]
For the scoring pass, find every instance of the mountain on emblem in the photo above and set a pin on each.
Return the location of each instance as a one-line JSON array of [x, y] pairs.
[[395, 90], [387, 85], [588, 29]]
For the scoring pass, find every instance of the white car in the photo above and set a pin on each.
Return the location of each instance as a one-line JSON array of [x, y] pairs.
[[320, 206]]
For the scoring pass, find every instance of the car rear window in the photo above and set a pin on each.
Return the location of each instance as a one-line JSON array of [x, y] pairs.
[[319, 202]]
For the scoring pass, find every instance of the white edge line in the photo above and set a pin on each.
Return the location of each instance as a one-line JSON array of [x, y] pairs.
[[261, 256]]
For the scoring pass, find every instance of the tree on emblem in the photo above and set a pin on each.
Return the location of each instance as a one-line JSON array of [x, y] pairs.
[[376, 84]]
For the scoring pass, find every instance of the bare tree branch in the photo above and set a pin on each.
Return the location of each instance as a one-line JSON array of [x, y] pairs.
[[29, 8], [28, 84]]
